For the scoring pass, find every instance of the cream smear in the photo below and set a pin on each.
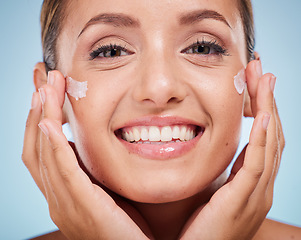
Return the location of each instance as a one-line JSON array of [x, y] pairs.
[[75, 88], [240, 81]]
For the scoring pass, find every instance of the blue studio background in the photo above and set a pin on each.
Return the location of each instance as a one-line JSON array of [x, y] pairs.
[[23, 210]]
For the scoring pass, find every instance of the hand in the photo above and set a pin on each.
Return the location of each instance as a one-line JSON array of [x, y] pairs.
[[237, 210], [80, 209]]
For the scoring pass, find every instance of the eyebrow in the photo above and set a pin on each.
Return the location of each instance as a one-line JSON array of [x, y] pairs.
[[123, 20], [199, 15], [114, 19]]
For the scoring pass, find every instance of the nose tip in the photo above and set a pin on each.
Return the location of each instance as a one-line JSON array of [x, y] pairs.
[[159, 85]]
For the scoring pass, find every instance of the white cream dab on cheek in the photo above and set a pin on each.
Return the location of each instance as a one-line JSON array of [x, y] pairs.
[[240, 81], [76, 89]]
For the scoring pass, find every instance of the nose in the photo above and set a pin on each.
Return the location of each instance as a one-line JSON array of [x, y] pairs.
[[159, 83]]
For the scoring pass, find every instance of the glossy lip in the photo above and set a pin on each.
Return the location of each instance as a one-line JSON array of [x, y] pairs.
[[163, 151]]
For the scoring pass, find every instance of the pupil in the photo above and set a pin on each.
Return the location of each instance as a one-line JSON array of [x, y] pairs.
[[201, 49], [113, 52]]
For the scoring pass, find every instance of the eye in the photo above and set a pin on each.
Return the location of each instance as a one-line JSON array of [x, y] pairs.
[[205, 48], [201, 49], [109, 51]]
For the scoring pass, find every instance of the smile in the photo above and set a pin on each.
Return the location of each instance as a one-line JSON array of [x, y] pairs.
[[160, 138], [159, 135]]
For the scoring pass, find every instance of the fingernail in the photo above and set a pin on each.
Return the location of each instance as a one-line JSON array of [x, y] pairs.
[[258, 68], [51, 76], [44, 129], [42, 95], [34, 101], [265, 121], [272, 83]]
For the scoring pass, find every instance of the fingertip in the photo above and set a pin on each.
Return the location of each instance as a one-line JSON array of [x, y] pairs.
[[253, 74], [51, 78], [35, 100], [57, 80], [265, 120], [44, 128], [272, 82], [42, 95], [256, 55]]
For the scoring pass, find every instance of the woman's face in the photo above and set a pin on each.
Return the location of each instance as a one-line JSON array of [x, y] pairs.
[[153, 68]]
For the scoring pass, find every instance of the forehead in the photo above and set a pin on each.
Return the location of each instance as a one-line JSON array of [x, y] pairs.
[[146, 12]]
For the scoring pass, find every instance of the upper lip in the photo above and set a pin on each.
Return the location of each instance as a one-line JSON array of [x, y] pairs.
[[159, 121]]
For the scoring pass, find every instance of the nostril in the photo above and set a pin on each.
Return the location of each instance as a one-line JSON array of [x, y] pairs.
[[174, 100]]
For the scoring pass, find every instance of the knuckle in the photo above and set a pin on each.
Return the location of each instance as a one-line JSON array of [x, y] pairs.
[[282, 143], [255, 171], [56, 148], [25, 159], [260, 143], [66, 174], [269, 203], [59, 146], [55, 216]]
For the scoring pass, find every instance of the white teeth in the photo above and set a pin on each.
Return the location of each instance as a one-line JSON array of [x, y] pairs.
[[166, 134], [130, 137], [176, 132], [153, 134], [144, 134], [187, 136], [136, 134], [183, 133]]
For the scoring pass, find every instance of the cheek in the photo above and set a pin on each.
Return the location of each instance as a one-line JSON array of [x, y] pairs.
[[227, 111], [91, 117], [223, 107]]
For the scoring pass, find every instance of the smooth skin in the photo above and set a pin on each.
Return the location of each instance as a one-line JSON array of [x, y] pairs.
[[87, 200], [63, 182]]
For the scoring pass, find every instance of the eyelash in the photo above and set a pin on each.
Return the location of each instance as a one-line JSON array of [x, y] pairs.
[[107, 48], [213, 46]]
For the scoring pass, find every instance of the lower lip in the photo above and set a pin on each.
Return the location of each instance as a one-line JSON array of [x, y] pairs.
[[162, 151]]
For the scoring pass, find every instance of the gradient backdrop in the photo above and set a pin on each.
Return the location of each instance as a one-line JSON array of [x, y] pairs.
[[23, 210]]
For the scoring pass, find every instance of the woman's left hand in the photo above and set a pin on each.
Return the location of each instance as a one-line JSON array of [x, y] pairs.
[[237, 210]]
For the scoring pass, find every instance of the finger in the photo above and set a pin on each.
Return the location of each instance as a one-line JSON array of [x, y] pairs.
[[266, 102], [278, 154], [281, 140], [83, 193], [76, 182], [57, 157], [237, 165], [51, 108], [265, 94], [57, 81], [253, 167], [280, 128], [253, 74], [29, 155], [50, 104]]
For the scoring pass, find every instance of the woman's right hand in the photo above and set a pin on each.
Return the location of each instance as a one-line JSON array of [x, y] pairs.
[[80, 209]]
